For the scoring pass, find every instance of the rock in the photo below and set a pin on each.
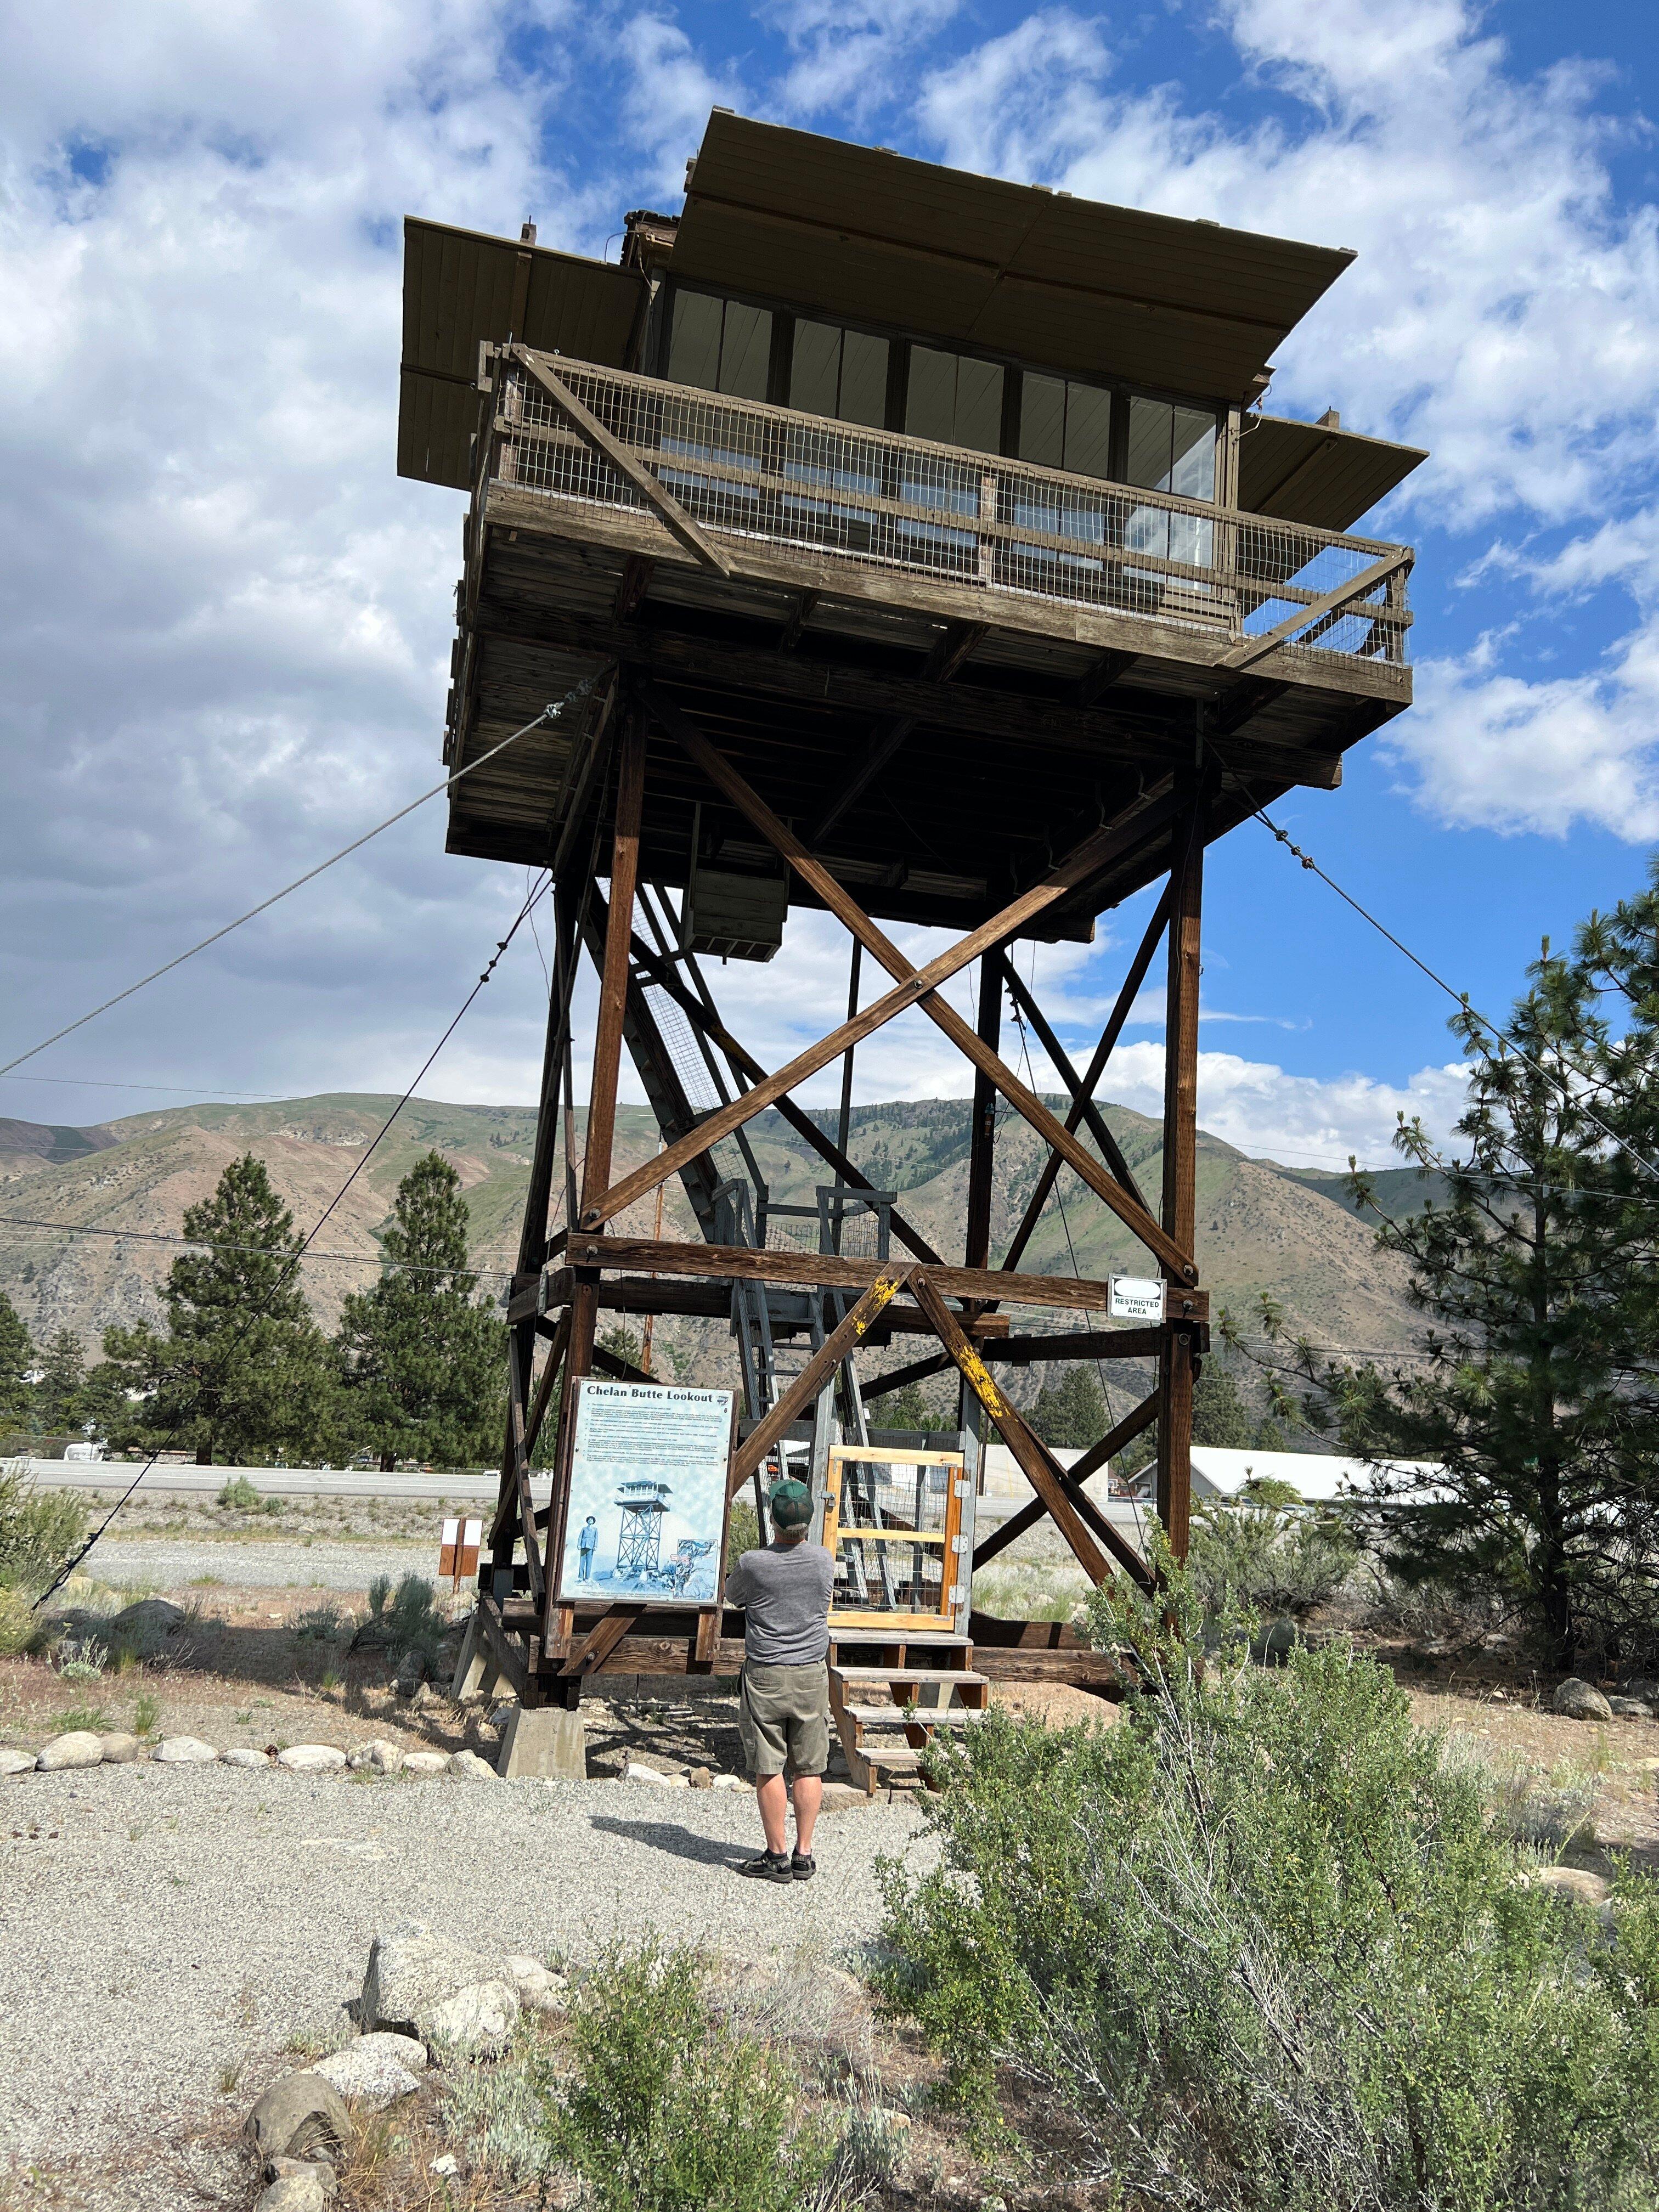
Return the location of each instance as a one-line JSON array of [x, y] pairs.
[[701, 1778], [303, 2169], [425, 1985], [241, 1755], [540, 1989], [633, 1771], [294, 2192], [183, 1750], [1592, 1889], [120, 1750], [143, 1628], [475, 2021], [16, 1762], [377, 1755], [471, 1767], [312, 1758], [300, 2114], [375, 2070], [1578, 1701], [80, 1747], [1622, 1709], [1273, 1645], [842, 1798], [730, 1782], [425, 1762]]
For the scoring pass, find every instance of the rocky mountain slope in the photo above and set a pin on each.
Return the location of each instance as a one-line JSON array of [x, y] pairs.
[[1260, 1226]]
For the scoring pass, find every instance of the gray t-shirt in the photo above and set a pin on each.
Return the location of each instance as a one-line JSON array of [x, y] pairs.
[[784, 1591]]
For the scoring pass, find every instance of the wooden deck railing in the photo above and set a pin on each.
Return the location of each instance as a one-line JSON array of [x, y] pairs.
[[717, 471]]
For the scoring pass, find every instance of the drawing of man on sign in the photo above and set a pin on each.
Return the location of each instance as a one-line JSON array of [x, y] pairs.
[[586, 1543]]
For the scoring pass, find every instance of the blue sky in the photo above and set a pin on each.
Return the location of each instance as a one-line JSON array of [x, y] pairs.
[[225, 619]]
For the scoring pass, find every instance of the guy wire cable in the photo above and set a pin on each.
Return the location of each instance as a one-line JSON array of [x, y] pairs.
[[548, 714], [75, 1559]]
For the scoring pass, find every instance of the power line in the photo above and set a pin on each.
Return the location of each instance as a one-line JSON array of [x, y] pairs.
[[255, 1251], [548, 714], [75, 1559], [1460, 998], [174, 1089]]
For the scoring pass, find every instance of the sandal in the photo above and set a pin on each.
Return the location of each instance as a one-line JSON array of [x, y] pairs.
[[767, 1867]]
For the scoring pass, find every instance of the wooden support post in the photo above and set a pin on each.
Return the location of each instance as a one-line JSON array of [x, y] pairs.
[[1175, 1377], [982, 1133]]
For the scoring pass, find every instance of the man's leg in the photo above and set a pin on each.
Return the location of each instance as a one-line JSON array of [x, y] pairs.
[[809, 1796], [773, 1799]]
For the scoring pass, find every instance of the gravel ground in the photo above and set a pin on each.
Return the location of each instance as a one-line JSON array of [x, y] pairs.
[[159, 1562], [165, 1925]]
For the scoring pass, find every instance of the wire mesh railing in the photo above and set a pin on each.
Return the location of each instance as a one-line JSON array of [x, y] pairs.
[[743, 471]]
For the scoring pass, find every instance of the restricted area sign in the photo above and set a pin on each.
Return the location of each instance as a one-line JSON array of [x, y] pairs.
[[1136, 1298], [646, 1516]]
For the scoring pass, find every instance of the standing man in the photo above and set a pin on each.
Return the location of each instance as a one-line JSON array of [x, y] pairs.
[[783, 1704], [586, 1543]]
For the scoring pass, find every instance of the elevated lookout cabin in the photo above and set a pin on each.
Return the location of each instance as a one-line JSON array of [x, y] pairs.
[[928, 557]]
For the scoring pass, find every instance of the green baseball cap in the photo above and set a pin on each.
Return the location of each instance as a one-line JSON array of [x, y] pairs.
[[792, 1505]]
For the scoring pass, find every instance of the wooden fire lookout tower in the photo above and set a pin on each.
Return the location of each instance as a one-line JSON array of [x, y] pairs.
[[931, 560]]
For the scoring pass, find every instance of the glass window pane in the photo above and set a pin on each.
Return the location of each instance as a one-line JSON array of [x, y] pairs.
[[863, 379], [979, 405], [1193, 468], [815, 367], [1043, 420], [1150, 432], [745, 351], [930, 404], [1088, 431], [694, 344]]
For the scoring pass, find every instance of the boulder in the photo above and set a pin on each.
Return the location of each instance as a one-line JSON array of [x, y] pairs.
[[427, 1986], [377, 1756], [302, 2169], [1629, 1709], [1273, 1645], [80, 1747], [183, 1750], [312, 1758], [1592, 1889], [240, 1754], [470, 1768], [425, 1762], [120, 1750], [701, 1778], [540, 1989], [1578, 1701], [730, 1782], [635, 1771], [298, 2115], [375, 2070], [147, 1629], [294, 2192], [16, 1762], [1645, 1686]]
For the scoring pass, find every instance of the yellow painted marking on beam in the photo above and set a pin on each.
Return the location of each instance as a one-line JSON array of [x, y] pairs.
[[979, 1378], [882, 1290]]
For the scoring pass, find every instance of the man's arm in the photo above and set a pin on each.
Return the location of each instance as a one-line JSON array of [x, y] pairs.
[[737, 1582]]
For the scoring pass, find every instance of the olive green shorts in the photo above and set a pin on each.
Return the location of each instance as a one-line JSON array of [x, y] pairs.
[[783, 1718]]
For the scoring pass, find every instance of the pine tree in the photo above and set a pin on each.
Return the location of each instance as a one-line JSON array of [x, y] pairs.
[[1220, 1417], [1071, 1412], [58, 1410], [1536, 1393], [16, 1358], [424, 1359], [243, 1373]]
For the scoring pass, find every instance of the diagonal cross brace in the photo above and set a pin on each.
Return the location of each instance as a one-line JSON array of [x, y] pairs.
[[920, 987]]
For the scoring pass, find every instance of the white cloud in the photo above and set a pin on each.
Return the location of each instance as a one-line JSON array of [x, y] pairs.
[[848, 53]]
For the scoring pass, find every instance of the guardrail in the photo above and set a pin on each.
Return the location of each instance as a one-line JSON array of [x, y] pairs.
[[717, 471]]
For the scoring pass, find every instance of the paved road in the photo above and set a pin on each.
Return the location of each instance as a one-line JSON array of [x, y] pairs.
[[171, 1926], [269, 1481], [164, 1563]]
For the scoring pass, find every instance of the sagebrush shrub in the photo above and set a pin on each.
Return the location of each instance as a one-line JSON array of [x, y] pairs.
[[1260, 1945], [1255, 1558], [39, 1529]]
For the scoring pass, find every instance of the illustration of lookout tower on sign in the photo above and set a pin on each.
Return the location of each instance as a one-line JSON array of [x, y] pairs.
[[638, 1545], [931, 560]]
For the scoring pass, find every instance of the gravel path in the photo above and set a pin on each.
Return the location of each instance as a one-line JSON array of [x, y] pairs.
[[162, 1925], [160, 1563]]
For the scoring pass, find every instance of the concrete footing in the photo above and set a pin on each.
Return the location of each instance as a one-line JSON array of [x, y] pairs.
[[547, 1741]]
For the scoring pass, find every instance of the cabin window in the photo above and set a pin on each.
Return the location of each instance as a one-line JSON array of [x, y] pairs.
[[838, 373], [954, 400], [1171, 448], [721, 345], [1064, 425]]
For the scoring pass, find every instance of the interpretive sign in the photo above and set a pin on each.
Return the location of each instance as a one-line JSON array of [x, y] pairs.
[[646, 1515], [1136, 1298]]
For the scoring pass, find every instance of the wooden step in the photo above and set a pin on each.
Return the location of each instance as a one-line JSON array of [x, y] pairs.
[[902, 1754], [959, 1676], [909, 1716]]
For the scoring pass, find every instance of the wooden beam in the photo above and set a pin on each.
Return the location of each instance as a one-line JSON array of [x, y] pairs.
[[1030, 1513], [1108, 1037], [1146, 816], [1176, 1373], [509, 1656], [1329, 603], [1027, 1453], [667, 509], [1098, 1128], [1078, 1344], [839, 1344], [1098, 681], [711, 1298], [1241, 701], [601, 1641], [799, 614], [901, 1378], [953, 649], [556, 1352], [1024, 1100], [882, 747], [982, 1126], [613, 979], [1140, 727], [637, 571]]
